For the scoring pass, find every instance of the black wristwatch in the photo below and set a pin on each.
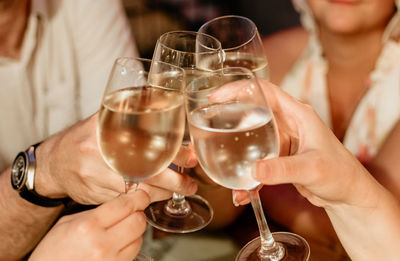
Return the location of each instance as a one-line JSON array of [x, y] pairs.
[[23, 179]]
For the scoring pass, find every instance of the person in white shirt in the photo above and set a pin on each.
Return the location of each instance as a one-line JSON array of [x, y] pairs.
[[55, 57]]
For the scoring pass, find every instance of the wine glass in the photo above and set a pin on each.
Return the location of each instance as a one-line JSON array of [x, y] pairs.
[[240, 42], [141, 119], [232, 127], [197, 54]]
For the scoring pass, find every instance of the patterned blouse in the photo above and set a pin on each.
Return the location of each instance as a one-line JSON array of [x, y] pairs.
[[378, 110]]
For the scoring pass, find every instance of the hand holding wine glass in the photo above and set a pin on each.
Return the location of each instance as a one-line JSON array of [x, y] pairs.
[[232, 127], [82, 236]]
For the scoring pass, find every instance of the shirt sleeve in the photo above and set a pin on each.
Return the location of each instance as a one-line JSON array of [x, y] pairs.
[[101, 34]]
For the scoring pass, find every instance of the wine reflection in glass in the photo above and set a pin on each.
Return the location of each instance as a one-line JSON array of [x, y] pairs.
[[240, 42], [232, 127], [197, 54], [141, 119]]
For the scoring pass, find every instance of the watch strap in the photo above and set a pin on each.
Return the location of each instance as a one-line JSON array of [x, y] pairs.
[[37, 199]]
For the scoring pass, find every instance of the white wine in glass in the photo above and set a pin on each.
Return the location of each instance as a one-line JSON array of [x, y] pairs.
[[240, 42], [141, 120], [232, 127]]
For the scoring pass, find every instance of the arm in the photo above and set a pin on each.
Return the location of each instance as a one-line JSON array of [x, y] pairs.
[[369, 231], [386, 164], [22, 224]]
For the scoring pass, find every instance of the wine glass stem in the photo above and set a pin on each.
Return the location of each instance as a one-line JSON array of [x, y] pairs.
[[178, 205], [269, 249], [178, 199], [130, 184]]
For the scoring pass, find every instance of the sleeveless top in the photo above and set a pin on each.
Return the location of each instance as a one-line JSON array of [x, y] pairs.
[[378, 110]]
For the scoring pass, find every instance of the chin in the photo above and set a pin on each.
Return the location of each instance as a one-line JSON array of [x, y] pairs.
[[342, 24], [344, 29]]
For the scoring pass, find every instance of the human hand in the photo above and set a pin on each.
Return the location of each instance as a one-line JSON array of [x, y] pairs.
[[111, 231], [311, 157], [70, 164]]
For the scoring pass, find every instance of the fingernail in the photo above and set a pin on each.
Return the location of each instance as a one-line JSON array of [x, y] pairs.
[[234, 200]]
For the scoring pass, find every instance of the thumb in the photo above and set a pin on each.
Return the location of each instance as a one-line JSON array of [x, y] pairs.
[[283, 170]]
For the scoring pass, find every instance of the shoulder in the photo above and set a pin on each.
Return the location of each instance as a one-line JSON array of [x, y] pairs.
[[282, 49]]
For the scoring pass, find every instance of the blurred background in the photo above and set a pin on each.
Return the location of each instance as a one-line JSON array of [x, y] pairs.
[[151, 18]]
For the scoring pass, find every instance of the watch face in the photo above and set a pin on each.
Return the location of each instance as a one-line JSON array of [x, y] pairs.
[[18, 172]]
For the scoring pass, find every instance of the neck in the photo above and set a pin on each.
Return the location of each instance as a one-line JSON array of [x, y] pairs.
[[348, 51], [13, 20]]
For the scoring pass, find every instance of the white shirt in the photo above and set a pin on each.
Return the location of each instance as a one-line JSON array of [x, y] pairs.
[[68, 50]]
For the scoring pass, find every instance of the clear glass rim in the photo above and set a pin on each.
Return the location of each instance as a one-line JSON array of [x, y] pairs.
[[254, 33], [223, 71], [120, 60], [212, 50]]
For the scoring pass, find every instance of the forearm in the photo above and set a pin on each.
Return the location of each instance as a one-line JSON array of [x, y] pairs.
[[369, 232], [22, 224]]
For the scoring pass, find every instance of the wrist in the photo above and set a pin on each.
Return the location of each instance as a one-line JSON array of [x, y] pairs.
[[45, 183]]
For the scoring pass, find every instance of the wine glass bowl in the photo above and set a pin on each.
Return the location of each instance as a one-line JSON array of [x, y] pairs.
[[194, 52], [240, 42], [230, 132], [141, 119]]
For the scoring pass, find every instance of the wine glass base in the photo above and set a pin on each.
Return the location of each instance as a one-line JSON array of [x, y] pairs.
[[200, 216], [296, 248]]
